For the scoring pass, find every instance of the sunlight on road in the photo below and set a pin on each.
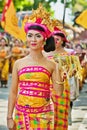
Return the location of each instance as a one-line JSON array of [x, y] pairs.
[[83, 125]]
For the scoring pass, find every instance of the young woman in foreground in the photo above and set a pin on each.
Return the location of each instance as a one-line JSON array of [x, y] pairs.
[[30, 89]]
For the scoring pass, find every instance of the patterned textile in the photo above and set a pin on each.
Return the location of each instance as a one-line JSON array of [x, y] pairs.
[[61, 108], [33, 108], [61, 103]]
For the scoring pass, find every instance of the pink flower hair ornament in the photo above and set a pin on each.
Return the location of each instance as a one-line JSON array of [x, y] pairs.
[[46, 32]]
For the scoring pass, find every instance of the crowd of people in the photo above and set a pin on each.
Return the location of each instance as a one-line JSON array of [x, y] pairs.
[[48, 71]]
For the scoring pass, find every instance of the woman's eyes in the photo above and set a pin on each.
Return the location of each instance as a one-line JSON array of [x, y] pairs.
[[29, 35], [38, 35], [57, 39]]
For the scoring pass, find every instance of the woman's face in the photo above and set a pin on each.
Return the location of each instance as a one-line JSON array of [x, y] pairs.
[[2, 42], [35, 39], [58, 41], [16, 43], [78, 49]]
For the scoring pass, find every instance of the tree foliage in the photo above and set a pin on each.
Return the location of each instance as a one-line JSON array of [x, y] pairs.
[[1, 5], [77, 6], [23, 5]]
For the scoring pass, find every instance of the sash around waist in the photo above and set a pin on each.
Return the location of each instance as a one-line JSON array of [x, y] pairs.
[[33, 110], [35, 93]]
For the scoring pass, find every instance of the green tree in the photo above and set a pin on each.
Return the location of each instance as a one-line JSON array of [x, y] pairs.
[[1, 5], [21, 5], [77, 6]]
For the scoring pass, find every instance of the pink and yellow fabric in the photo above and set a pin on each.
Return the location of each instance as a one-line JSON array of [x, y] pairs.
[[46, 33], [61, 108], [33, 110], [61, 104]]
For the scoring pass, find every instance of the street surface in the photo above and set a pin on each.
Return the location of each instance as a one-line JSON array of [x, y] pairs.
[[79, 112]]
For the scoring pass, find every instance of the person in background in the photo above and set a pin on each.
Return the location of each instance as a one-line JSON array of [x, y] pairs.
[[17, 51], [55, 51], [69, 48], [81, 54], [4, 61]]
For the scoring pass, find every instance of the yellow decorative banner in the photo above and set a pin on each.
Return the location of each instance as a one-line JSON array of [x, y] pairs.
[[10, 21], [82, 19]]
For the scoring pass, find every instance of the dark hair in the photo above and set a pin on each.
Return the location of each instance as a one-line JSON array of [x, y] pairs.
[[36, 27], [78, 45], [60, 34], [50, 44], [63, 44]]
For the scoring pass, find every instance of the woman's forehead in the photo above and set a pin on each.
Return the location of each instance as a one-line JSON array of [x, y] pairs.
[[56, 36], [33, 32]]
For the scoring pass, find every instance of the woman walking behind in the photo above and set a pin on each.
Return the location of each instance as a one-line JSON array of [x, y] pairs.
[[57, 54]]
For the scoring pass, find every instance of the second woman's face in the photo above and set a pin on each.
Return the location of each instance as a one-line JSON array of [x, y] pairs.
[[58, 40], [35, 39], [78, 49]]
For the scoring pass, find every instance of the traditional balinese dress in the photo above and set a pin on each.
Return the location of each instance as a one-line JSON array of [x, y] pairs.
[[4, 67], [61, 103], [33, 110]]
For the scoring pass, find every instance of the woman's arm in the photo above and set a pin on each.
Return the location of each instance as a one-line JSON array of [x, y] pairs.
[[13, 91], [57, 79]]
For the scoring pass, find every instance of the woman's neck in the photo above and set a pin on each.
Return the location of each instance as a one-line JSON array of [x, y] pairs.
[[36, 55]]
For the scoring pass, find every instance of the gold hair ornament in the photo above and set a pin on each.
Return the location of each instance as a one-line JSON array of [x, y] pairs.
[[45, 16]]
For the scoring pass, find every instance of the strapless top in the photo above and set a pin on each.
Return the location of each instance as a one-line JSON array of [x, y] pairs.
[[34, 86]]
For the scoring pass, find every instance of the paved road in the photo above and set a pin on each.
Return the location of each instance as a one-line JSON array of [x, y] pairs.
[[3, 105], [79, 112]]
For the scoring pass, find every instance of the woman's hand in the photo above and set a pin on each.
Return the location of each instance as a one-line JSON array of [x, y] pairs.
[[74, 72], [64, 76], [11, 124]]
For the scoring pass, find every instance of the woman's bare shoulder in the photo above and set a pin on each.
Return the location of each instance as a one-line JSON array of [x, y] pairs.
[[20, 61]]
